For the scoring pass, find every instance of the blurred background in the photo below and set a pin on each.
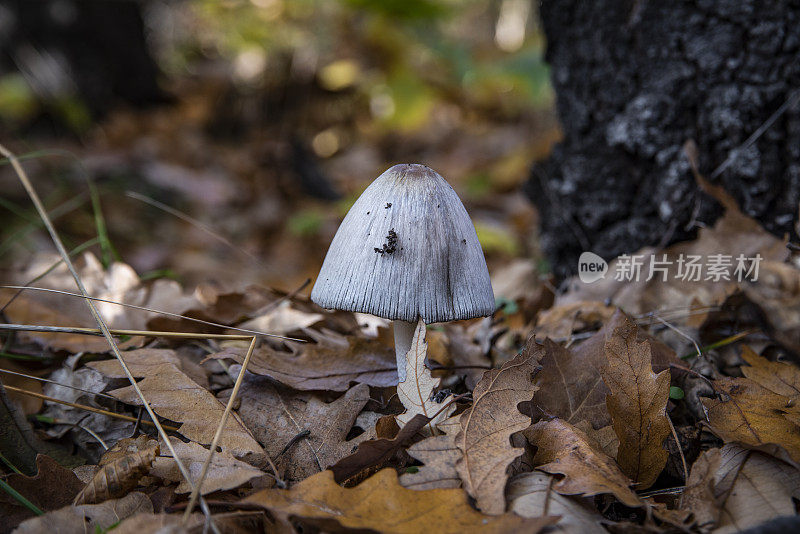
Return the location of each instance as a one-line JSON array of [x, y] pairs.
[[224, 140]]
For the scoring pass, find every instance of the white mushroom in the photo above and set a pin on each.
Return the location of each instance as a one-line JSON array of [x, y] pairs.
[[406, 250]]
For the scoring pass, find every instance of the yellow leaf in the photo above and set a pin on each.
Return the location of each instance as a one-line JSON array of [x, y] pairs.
[[381, 504]]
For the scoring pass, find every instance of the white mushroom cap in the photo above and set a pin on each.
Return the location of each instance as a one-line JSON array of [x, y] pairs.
[[407, 249]]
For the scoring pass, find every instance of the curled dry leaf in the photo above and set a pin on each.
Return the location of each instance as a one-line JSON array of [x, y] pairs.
[[637, 405], [563, 449], [417, 391], [119, 476], [126, 447], [532, 495], [302, 433], [761, 410], [175, 396], [381, 504], [225, 471], [486, 428], [87, 517], [439, 454], [332, 362]]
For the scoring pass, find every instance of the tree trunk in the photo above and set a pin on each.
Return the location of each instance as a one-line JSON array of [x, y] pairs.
[[634, 81]]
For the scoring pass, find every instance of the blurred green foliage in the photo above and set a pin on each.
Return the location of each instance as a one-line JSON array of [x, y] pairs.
[[404, 56]]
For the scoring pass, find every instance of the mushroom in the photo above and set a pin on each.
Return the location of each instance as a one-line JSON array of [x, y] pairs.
[[407, 250]]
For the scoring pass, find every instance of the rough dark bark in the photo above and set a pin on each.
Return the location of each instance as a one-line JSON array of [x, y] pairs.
[[634, 81]]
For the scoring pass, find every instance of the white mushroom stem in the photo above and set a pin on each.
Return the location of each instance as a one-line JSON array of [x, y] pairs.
[[403, 334]]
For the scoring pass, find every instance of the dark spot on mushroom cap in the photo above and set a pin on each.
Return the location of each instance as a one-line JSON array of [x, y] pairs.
[[464, 241], [367, 213]]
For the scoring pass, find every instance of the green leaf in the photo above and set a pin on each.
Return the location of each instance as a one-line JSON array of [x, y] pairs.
[[676, 393]]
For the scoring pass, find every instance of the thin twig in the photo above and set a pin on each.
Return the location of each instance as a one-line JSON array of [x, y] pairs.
[[151, 310], [680, 452], [83, 407], [297, 437], [26, 183], [687, 336]]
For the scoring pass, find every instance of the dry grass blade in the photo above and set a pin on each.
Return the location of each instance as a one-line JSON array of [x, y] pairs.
[[84, 407], [151, 310], [98, 332], [194, 222], [23, 177], [218, 434]]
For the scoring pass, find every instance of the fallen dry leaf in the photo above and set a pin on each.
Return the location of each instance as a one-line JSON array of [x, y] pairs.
[[281, 319], [119, 476], [700, 496], [637, 405], [175, 396], [87, 517], [332, 362], [777, 293], [532, 495], [571, 385], [560, 322], [753, 415], [118, 283], [381, 504], [732, 234], [52, 487], [486, 428], [416, 392], [225, 471], [144, 522], [780, 378], [563, 449], [376, 452], [439, 454], [303, 434], [758, 487], [126, 447], [570, 382]]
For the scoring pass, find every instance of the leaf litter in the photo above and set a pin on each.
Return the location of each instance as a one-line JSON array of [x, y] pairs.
[[495, 431]]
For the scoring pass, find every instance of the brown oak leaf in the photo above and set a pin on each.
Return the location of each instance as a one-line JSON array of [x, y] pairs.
[[301, 432], [332, 362], [439, 454], [487, 426], [175, 396], [381, 504], [637, 405], [565, 450]]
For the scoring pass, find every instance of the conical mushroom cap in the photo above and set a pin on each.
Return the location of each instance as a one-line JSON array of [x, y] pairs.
[[407, 249]]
